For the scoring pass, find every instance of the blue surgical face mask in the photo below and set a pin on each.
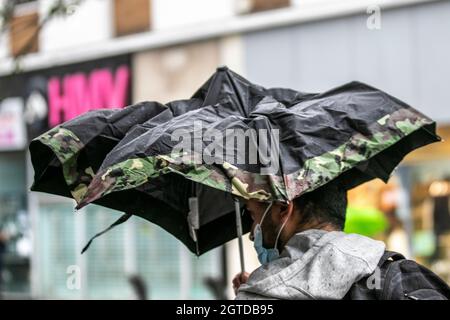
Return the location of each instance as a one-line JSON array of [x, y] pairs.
[[265, 255]]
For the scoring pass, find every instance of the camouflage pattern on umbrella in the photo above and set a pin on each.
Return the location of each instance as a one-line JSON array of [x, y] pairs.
[[350, 134]]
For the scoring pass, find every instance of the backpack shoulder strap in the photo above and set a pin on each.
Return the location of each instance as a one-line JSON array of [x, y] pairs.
[[407, 279], [395, 256]]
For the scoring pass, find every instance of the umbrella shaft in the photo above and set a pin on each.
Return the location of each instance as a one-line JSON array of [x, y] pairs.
[[239, 234]]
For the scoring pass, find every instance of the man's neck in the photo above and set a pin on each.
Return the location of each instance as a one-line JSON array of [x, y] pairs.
[[317, 226], [309, 226]]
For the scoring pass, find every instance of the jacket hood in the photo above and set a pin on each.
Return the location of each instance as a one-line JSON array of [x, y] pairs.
[[315, 264]]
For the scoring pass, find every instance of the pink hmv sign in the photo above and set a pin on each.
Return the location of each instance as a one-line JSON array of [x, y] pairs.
[[33, 102], [77, 93]]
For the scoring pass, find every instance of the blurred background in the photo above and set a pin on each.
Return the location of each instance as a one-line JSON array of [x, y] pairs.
[[60, 57]]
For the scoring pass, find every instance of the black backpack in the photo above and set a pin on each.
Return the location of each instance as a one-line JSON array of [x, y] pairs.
[[399, 279]]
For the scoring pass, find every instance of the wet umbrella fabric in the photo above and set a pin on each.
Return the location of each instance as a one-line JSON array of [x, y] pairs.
[[350, 134]]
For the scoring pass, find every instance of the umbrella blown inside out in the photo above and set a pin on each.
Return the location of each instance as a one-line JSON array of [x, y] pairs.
[[181, 165]]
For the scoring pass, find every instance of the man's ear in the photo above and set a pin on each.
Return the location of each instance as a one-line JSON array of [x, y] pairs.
[[287, 209]]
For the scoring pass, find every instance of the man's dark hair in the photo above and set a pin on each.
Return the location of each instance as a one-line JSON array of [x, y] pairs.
[[326, 205]]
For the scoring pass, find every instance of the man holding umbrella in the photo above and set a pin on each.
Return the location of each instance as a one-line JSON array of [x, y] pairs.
[[305, 244], [306, 255], [149, 160]]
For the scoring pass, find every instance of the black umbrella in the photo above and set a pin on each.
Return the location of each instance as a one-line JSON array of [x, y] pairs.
[[350, 134]]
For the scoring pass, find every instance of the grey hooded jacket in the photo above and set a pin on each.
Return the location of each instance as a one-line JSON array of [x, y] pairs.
[[315, 264]]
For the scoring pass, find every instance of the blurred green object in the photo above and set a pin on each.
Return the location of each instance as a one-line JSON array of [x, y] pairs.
[[424, 243], [366, 221]]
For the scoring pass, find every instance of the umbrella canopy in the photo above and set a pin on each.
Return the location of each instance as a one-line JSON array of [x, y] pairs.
[[181, 166], [66, 158]]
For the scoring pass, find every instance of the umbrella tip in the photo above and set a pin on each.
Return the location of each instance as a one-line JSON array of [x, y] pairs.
[[222, 68]]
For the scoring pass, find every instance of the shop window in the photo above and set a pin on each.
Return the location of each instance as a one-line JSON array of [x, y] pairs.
[[131, 16], [24, 28], [137, 248], [169, 270], [251, 6], [15, 237]]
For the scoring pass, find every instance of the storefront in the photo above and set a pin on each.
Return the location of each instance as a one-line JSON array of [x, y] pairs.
[[31, 103]]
